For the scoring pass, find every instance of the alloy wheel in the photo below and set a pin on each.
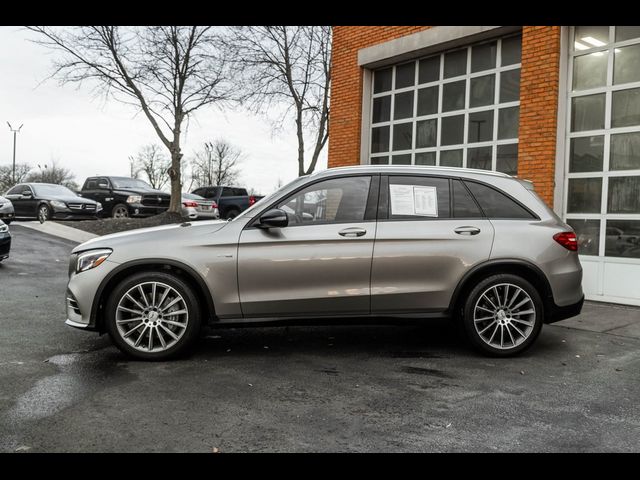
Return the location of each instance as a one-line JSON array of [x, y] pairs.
[[504, 316], [43, 213], [152, 317], [120, 212]]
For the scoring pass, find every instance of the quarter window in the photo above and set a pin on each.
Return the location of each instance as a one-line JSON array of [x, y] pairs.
[[495, 204], [441, 109], [331, 201]]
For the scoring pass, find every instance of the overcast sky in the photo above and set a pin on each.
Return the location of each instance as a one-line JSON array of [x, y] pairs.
[[91, 136]]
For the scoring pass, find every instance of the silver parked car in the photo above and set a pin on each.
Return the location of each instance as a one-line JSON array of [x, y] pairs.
[[195, 207], [7, 213], [411, 242]]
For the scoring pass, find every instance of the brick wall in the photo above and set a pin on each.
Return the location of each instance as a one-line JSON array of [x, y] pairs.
[[538, 98], [346, 87], [539, 84]]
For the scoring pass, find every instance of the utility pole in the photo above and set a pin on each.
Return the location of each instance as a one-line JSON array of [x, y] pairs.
[[15, 132]]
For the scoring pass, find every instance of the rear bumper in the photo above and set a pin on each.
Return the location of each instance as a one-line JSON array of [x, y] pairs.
[[557, 313]]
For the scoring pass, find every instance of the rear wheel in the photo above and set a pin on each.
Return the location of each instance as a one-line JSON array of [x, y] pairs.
[[233, 213], [503, 315], [120, 211], [153, 316]]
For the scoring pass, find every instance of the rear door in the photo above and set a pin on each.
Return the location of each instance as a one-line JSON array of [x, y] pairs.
[[430, 232]]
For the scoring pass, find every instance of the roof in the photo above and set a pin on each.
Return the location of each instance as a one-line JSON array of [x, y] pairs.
[[463, 172]]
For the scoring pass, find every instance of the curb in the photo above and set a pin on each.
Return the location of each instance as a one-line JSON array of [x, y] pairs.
[[58, 230]]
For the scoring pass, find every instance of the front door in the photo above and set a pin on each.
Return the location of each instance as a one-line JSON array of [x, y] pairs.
[[430, 232], [320, 264]]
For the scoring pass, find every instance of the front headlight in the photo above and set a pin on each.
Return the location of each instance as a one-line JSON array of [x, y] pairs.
[[134, 199], [92, 259], [4, 228], [98, 207], [58, 204]]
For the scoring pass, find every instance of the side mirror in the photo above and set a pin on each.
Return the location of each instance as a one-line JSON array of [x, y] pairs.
[[27, 193], [275, 218]]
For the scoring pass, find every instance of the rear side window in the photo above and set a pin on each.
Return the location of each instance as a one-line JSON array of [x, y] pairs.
[[418, 198], [496, 204], [240, 192], [227, 192], [464, 206]]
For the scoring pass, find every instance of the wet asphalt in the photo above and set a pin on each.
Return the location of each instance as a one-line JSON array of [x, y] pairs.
[[298, 389]]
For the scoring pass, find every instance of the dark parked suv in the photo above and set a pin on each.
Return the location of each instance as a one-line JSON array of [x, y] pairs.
[[231, 200], [125, 197]]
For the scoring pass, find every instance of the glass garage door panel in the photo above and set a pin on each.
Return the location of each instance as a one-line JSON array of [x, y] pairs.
[[602, 167]]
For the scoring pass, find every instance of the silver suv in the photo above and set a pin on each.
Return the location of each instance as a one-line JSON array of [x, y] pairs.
[[351, 243]]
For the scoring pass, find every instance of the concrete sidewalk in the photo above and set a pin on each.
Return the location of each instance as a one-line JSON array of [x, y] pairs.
[[613, 319], [59, 230]]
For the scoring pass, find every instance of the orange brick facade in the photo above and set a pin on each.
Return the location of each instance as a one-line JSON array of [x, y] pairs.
[[539, 86]]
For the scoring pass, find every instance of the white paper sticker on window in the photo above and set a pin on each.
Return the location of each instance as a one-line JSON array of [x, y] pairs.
[[413, 200]]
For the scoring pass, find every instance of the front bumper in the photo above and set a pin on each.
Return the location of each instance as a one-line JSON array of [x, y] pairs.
[[81, 292], [139, 210], [5, 245]]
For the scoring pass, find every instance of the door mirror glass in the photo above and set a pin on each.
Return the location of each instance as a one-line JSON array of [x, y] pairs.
[[27, 193], [102, 185], [275, 218]]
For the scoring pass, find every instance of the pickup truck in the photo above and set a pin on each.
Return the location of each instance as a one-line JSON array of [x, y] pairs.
[[231, 200], [125, 197]]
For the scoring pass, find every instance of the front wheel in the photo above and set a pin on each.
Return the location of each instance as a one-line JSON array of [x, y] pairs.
[[44, 213], [153, 316], [120, 211], [503, 315]]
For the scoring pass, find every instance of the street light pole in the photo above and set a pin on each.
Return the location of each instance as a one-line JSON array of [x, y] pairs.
[[15, 132]]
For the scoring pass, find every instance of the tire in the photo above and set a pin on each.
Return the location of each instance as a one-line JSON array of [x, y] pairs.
[[233, 213], [120, 211], [498, 327], [180, 297], [44, 213]]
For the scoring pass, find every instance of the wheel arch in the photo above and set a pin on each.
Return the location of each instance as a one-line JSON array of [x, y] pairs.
[[125, 270], [522, 268]]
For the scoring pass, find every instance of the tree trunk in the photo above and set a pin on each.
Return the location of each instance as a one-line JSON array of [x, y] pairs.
[[176, 181]]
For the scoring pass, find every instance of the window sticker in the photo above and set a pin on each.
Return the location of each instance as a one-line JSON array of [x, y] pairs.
[[414, 200]]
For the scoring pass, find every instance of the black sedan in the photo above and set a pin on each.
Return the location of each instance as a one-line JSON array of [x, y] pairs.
[[46, 201], [5, 241]]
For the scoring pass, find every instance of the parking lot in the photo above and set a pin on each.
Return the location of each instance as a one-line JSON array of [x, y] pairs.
[[329, 388]]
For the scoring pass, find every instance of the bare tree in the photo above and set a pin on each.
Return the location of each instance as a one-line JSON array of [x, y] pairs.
[[6, 175], [53, 173], [167, 72], [154, 164], [134, 170], [216, 164], [290, 66]]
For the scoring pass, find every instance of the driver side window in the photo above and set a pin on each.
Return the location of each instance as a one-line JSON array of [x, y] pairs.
[[331, 201]]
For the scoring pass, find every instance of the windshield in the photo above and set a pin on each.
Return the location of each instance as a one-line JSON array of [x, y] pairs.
[[130, 183], [264, 201], [54, 190]]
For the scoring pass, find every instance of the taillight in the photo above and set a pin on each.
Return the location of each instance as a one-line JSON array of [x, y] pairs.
[[252, 200], [190, 204], [214, 205], [568, 240]]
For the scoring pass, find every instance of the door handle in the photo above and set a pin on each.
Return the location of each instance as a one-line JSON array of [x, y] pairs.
[[467, 230], [352, 232]]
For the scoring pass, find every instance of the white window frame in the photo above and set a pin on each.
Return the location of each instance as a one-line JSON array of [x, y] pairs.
[[606, 132], [466, 111]]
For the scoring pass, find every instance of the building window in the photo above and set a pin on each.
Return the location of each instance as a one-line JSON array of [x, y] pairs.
[[460, 108], [602, 172]]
